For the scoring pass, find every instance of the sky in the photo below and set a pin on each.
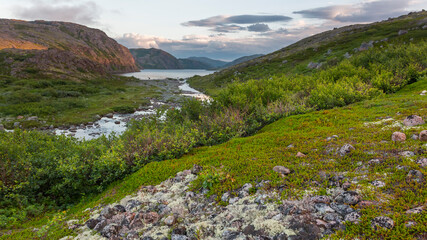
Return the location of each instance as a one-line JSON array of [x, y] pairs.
[[219, 29]]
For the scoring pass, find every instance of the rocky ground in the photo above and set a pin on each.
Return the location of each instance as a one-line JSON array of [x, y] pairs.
[[171, 210]]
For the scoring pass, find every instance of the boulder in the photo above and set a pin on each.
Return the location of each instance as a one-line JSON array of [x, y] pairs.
[[415, 210], [422, 162], [300, 154], [196, 169], [399, 137], [346, 149], [282, 170], [384, 222], [413, 120], [109, 115], [401, 32], [151, 217], [33, 118], [348, 197], [352, 217], [423, 135]]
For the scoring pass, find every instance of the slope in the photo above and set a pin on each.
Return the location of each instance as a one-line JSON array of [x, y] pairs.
[[59, 48], [323, 50], [367, 126]]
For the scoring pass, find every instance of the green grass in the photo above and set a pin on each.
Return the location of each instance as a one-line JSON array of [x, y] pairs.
[[313, 49], [252, 158], [65, 102]]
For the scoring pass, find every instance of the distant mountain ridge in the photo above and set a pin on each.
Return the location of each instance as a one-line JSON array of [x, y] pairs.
[[154, 58], [59, 48], [158, 59]]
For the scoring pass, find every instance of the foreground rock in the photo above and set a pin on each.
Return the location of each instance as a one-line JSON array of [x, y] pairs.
[[398, 137], [171, 211], [413, 120]]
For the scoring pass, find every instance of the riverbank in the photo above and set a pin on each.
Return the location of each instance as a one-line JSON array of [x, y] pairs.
[[105, 113]]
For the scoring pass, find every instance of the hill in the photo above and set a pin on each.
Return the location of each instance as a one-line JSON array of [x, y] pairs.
[[214, 64], [59, 49], [154, 59], [322, 50], [158, 59], [241, 60]]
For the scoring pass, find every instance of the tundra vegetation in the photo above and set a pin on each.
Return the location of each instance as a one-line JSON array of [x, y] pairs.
[[239, 137]]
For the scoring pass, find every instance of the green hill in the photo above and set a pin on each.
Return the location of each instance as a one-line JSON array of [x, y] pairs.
[[327, 48]]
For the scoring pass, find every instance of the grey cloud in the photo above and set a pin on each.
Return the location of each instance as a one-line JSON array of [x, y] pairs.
[[362, 12], [84, 13], [259, 27], [249, 19], [237, 19], [228, 28]]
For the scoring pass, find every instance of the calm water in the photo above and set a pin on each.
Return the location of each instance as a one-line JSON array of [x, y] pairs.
[[153, 74]]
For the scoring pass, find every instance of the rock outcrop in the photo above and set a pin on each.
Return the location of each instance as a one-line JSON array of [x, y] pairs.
[[60, 48]]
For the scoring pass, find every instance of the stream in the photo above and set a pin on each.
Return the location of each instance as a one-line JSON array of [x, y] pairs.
[[116, 123]]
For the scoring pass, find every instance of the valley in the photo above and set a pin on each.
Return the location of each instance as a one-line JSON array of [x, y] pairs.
[[322, 139]]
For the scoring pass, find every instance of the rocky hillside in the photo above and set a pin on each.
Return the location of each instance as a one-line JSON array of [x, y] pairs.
[[158, 59], [59, 48], [320, 51]]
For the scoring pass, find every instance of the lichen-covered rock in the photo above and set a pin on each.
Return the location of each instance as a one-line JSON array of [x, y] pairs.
[[384, 222], [110, 230], [415, 175], [398, 137], [108, 212], [196, 169], [91, 223], [170, 220], [346, 149], [413, 120], [348, 197], [422, 162], [378, 183], [282, 170], [352, 217], [423, 135], [415, 210]]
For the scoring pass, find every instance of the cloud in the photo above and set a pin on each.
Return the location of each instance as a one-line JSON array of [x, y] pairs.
[[59, 10], [259, 27], [361, 12], [215, 46], [227, 24], [237, 19], [228, 28]]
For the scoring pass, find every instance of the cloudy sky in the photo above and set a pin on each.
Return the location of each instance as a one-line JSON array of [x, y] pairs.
[[221, 29]]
